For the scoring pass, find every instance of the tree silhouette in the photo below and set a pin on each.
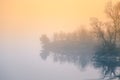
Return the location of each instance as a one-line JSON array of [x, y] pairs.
[[44, 39], [108, 36], [108, 32]]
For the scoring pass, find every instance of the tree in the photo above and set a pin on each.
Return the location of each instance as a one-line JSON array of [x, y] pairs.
[[44, 39], [113, 12], [109, 32]]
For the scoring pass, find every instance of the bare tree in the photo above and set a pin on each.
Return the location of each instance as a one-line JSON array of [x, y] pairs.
[[108, 32], [113, 12]]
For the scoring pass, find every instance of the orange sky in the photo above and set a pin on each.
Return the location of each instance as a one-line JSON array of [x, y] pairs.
[[47, 16]]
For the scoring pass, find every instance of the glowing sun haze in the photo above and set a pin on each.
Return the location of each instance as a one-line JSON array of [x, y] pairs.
[[47, 16]]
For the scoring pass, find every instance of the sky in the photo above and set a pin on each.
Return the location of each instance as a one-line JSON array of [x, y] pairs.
[[23, 21], [28, 17]]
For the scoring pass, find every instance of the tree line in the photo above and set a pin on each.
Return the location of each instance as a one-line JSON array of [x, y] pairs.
[[107, 33]]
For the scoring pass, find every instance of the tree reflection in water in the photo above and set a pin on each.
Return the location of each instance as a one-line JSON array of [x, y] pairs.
[[106, 58], [77, 55]]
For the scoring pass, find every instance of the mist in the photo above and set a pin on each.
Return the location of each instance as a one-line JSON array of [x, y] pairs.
[[58, 40]]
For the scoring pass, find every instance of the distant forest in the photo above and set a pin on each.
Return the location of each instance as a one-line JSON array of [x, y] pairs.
[[63, 40]]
